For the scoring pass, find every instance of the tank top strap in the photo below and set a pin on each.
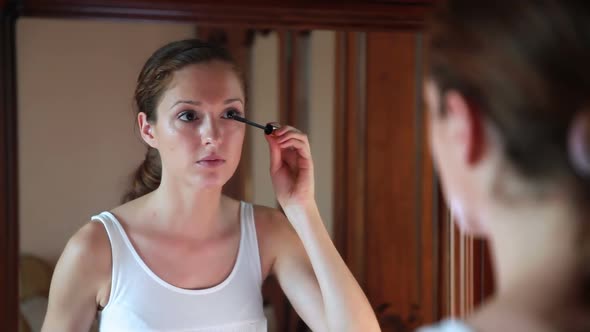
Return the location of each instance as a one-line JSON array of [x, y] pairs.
[[251, 240]]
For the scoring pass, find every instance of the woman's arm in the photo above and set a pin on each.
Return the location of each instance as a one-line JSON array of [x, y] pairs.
[[310, 270], [79, 280]]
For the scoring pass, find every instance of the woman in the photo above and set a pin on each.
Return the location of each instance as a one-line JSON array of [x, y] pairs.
[[509, 98], [179, 255]]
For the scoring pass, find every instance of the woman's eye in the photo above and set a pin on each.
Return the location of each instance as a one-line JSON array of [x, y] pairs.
[[230, 113], [188, 116]]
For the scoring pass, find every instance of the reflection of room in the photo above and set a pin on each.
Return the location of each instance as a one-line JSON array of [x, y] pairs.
[[77, 142], [376, 189]]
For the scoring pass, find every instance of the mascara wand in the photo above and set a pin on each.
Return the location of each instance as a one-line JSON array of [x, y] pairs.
[[268, 129]]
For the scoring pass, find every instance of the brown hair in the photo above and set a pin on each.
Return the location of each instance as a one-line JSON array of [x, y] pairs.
[[153, 80], [525, 65]]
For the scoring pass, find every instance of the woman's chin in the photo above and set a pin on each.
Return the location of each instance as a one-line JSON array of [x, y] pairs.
[[459, 216], [468, 226], [205, 180], [210, 178], [210, 183]]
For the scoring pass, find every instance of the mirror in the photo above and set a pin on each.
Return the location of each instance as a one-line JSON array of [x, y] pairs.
[[78, 144], [357, 95]]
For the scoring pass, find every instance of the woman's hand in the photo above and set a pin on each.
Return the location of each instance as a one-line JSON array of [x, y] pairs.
[[291, 166]]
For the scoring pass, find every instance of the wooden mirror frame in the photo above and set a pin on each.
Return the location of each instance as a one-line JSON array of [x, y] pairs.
[[351, 15]]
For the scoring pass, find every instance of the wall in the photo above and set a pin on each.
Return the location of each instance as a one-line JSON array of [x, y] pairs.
[[321, 119], [77, 143], [263, 107]]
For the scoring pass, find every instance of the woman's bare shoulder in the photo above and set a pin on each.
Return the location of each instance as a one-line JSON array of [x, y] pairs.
[[83, 270], [270, 219], [88, 250]]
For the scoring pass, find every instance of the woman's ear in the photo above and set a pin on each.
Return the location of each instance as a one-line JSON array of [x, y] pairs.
[[465, 127], [147, 130]]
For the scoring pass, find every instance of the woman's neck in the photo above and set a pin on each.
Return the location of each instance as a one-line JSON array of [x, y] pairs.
[[187, 209], [536, 255]]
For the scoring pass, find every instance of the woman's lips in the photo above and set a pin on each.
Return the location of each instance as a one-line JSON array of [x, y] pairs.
[[211, 161]]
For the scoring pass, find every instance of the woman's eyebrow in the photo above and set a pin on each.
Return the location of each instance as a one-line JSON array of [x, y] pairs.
[[191, 102], [229, 101], [198, 103]]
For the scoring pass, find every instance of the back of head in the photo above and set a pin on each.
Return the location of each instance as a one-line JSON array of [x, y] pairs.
[[525, 65], [152, 82]]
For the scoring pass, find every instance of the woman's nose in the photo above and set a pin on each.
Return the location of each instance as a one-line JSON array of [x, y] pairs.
[[210, 132]]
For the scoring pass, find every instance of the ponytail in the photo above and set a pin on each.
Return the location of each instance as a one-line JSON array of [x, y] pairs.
[[146, 177]]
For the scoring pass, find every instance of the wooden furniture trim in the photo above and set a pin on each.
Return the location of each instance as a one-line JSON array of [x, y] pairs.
[[350, 151], [9, 236], [292, 14]]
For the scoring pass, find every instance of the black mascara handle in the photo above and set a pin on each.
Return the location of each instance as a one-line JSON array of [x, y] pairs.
[[268, 129]]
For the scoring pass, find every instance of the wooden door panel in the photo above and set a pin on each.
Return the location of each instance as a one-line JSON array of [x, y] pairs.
[[401, 221]]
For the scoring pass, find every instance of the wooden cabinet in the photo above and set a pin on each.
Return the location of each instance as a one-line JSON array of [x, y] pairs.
[[388, 225]]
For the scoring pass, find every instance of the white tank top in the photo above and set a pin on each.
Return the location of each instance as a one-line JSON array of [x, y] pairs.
[[141, 301], [449, 325]]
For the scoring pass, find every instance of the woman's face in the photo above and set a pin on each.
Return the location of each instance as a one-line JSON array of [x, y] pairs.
[[197, 144], [453, 143]]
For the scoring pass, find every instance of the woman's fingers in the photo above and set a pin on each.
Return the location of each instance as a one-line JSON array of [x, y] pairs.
[[286, 130], [297, 144], [285, 140]]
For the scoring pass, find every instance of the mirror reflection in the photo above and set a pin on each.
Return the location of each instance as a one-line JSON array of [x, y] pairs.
[[78, 138]]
